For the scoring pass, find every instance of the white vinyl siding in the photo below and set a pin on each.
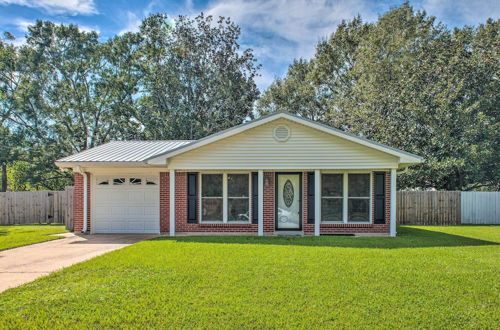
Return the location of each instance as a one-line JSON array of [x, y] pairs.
[[306, 148]]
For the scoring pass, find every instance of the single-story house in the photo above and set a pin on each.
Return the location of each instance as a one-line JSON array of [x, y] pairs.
[[278, 173]]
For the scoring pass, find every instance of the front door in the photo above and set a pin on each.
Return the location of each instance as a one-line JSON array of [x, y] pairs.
[[288, 197]]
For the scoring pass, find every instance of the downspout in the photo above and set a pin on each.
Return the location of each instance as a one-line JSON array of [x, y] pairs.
[[79, 170]]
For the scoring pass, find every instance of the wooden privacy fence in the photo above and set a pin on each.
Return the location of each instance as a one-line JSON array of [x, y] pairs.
[[428, 207], [27, 207], [413, 207]]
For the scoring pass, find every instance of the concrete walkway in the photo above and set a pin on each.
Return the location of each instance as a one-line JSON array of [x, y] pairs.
[[27, 263]]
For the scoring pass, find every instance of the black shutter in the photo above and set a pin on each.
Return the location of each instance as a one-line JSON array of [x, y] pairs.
[[380, 197], [255, 197], [310, 197], [192, 192]]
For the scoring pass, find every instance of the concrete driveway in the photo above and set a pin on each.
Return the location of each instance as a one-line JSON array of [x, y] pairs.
[[27, 263]]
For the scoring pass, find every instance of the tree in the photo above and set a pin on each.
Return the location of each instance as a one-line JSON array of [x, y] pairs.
[[411, 83], [195, 80], [65, 92], [73, 93], [9, 143]]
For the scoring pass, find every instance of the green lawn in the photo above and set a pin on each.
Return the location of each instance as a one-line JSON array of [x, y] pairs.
[[19, 235], [427, 277]]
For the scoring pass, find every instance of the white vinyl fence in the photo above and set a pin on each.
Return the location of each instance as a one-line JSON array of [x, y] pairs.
[[480, 207]]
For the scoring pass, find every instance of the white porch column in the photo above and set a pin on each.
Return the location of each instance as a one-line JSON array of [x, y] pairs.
[[317, 202], [393, 203], [261, 202], [172, 202]]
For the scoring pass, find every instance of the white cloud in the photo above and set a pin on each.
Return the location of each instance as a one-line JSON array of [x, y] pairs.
[[134, 20], [281, 30], [462, 11], [301, 23], [23, 25], [72, 7], [133, 23]]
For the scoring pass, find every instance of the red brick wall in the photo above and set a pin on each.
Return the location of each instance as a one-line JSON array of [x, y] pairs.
[[308, 227], [78, 203], [164, 202], [269, 208], [181, 225]]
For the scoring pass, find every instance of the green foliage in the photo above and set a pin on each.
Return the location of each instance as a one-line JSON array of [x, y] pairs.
[[195, 79], [64, 91], [427, 277], [19, 235], [409, 82]]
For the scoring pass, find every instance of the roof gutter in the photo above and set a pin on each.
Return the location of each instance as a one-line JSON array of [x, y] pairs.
[[79, 170]]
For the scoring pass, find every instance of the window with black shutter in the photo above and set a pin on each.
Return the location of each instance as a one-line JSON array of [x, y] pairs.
[[310, 197], [192, 197], [255, 197], [379, 197]]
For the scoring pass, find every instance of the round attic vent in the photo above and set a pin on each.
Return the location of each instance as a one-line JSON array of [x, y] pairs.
[[281, 133]]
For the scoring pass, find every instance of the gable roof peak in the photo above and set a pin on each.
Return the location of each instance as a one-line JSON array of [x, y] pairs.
[[405, 157]]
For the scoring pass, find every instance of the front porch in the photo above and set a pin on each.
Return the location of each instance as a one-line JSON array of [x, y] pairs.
[[267, 203]]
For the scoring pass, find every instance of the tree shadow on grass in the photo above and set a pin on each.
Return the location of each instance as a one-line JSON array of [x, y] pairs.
[[407, 238]]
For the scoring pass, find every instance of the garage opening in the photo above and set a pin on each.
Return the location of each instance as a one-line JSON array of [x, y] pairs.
[[125, 204]]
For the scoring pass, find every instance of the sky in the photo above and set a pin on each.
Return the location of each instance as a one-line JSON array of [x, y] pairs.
[[277, 30]]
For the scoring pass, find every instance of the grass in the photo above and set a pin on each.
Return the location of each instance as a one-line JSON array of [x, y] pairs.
[[18, 235], [427, 277]]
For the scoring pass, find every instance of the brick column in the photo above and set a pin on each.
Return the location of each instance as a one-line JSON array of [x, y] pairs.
[[181, 202], [306, 227], [78, 216], [164, 202], [269, 208], [78, 203]]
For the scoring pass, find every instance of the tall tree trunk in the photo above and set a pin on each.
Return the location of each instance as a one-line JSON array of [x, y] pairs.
[[4, 176]]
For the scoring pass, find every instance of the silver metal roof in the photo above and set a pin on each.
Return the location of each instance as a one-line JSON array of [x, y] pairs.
[[125, 151]]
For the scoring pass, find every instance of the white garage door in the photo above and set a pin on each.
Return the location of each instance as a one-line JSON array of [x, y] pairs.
[[125, 204]]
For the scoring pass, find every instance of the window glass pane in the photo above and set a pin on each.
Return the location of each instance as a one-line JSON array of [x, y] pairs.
[[332, 185], [358, 209], [118, 181], [135, 181], [359, 185], [237, 209], [211, 185], [211, 209], [151, 182], [237, 185], [331, 209], [103, 182]]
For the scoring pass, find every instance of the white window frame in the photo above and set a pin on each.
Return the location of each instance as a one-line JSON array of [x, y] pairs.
[[345, 197], [225, 200]]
